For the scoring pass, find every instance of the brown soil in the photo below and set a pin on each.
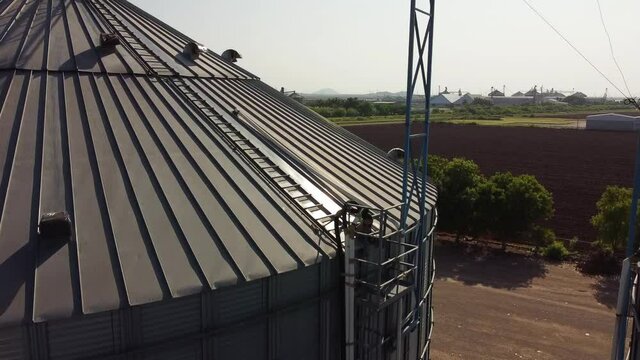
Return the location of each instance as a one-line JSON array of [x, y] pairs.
[[493, 305], [575, 165]]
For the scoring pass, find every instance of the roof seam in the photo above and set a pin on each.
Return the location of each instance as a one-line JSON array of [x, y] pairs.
[[179, 177], [35, 200], [263, 220], [73, 248], [300, 137], [11, 149], [162, 149], [248, 172], [214, 191]]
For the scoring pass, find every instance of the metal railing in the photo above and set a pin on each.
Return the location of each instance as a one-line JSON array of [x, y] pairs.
[[389, 275]]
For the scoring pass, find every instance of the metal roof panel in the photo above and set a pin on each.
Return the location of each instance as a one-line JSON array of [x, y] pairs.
[[64, 35], [164, 202]]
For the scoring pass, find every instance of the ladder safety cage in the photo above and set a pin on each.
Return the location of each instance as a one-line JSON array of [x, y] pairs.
[[388, 265], [386, 295]]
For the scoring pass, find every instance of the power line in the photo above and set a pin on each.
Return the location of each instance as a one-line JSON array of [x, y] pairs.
[[611, 48], [573, 47]]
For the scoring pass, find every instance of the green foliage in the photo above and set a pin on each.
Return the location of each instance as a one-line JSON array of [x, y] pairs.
[[541, 236], [612, 219], [481, 102], [458, 194], [490, 199], [526, 203], [436, 168], [575, 100], [354, 107], [506, 206], [573, 243], [479, 109], [555, 251], [338, 112], [364, 108], [601, 260], [351, 112]]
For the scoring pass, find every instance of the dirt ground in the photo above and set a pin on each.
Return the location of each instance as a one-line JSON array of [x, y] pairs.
[[575, 165], [493, 305]]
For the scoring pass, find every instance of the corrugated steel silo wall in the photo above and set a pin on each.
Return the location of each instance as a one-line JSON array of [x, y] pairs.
[[295, 315], [13, 344]]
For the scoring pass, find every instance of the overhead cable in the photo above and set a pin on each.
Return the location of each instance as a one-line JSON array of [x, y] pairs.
[[574, 48], [611, 48]]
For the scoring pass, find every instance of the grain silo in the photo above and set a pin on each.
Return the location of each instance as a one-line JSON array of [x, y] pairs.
[[159, 202]]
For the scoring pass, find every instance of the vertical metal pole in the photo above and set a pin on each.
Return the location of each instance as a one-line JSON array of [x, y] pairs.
[[407, 121], [620, 330], [427, 108], [634, 203], [620, 336], [634, 352]]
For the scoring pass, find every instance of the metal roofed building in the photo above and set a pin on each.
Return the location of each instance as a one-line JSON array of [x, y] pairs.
[[199, 199], [451, 99], [612, 122]]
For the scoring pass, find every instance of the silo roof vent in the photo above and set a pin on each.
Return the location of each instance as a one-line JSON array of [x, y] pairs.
[[396, 154], [231, 55], [109, 40], [193, 50], [55, 225]]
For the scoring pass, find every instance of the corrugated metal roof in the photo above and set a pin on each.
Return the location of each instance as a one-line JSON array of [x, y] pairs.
[[164, 201], [354, 167], [64, 35], [161, 207]]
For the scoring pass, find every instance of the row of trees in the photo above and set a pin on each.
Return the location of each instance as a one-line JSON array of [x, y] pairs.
[[481, 108], [504, 206], [353, 107], [478, 109]]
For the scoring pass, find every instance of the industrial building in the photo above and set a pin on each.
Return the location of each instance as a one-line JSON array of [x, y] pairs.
[[451, 99], [159, 202], [613, 122]]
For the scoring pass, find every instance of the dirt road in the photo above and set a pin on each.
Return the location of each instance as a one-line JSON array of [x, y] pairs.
[[509, 306]]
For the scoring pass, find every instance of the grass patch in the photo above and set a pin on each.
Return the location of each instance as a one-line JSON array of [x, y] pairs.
[[506, 121], [518, 121]]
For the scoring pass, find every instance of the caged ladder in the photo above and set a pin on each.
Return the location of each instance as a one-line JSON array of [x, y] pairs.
[[389, 269], [389, 272]]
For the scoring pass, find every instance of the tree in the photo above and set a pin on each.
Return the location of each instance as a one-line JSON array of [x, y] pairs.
[[457, 196], [575, 100], [365, 108], [436, 166], [339, 112], [351, 102], [491, 198], [511, 206], [612, 219], [481, 102]]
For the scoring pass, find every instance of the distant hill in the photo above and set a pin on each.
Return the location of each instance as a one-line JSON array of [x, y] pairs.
[[380, 95], [326, 91]]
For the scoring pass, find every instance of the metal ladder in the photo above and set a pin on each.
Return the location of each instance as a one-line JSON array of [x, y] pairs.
[[151, 62], [257, 158], [155, 66], [388, 282]]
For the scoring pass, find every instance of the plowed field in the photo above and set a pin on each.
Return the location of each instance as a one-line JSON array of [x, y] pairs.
[[575, 165]]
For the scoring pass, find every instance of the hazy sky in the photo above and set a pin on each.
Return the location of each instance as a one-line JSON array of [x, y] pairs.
[[357, 46]]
